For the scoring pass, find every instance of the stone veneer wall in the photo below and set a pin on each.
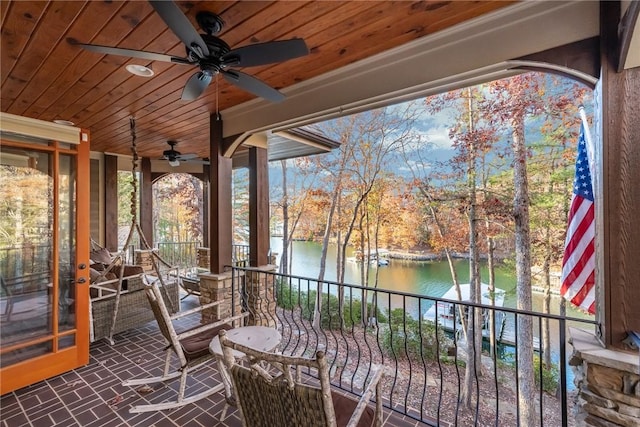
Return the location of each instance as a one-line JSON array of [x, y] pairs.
[[608, 383], [217, 287], [258, 291], [260, 296], [203, 258], [144, 258]]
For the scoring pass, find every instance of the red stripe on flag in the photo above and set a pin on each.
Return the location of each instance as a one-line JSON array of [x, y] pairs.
[[582, 263], [584, 224], [582, 294]]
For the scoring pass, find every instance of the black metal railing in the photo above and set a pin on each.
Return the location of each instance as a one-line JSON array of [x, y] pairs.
[[25, 268], [240, 255], [179, 254], [185, 254], [425, 360]]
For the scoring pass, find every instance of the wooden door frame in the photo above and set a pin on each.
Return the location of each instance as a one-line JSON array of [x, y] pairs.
[[58, 361]]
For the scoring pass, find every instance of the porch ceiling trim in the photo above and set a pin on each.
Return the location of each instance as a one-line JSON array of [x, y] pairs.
[[287, 144], [39, 129]]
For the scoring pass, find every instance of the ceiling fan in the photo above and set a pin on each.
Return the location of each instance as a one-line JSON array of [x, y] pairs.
[[175, 157], [211, 54]]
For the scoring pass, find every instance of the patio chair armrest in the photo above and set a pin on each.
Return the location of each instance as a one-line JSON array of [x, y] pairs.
[[213, 325], [181, 314], [374, 386]]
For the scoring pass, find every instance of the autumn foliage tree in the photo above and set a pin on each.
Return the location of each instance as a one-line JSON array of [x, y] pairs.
[[295, 203], [511, 102], [178, 206]]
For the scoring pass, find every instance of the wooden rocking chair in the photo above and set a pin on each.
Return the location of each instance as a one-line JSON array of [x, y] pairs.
[[191, 348], [268, 393]]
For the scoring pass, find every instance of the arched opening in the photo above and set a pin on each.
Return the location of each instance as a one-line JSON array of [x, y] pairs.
[[178, 206]]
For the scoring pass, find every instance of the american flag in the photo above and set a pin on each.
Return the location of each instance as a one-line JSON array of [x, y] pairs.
[[579, 261]]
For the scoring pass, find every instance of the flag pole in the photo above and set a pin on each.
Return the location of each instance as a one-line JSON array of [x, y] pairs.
[[596, 188], [591, 149]]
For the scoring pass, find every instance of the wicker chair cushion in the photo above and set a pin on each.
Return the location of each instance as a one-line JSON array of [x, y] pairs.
[[198, 345], [344, 407], [102, 256]]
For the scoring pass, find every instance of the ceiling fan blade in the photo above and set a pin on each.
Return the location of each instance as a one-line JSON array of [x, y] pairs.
[[180, 25], [198, 161], [195, 86], [253, 85], [151, 56], [188, 156], [265, 53]]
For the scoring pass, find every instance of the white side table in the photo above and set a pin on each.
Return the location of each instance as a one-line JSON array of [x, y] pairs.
[[261, 338]]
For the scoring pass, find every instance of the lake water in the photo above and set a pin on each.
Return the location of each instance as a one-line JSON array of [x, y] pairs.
[[429, 278]]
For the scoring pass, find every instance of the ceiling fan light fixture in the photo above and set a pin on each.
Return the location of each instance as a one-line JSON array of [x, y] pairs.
[[174, 163], [140, 70]]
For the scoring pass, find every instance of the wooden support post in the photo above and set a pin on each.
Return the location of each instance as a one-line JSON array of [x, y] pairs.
[[220, 218], [205, 205], [621, 193], [146, 201], [258, 207], [111, 202]]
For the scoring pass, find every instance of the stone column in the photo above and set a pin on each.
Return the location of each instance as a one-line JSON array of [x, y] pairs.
[[203, 258], [217, 287], [608, 383], [144, 258]]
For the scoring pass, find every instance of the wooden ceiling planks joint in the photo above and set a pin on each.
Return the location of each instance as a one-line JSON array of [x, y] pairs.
[[43, 76]]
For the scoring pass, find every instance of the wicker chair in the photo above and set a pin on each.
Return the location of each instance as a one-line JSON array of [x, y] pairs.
[[191, 347], [269, 393]]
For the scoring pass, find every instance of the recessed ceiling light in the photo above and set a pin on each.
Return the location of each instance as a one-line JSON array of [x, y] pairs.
[[63, 122], [139, 70]]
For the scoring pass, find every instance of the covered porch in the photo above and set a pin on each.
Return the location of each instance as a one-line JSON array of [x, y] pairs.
[[416, 50]]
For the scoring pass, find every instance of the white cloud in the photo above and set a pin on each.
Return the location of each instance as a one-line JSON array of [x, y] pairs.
[[438, 137]]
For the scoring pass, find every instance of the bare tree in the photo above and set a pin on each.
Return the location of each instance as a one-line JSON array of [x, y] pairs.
[[284, 258], [474, 324], [367, 141]]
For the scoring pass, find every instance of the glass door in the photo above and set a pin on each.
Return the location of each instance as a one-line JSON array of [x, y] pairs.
[[44, 311]]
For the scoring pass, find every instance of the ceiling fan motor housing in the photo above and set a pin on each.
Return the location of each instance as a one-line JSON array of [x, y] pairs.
[[171, 154], [209, 22]]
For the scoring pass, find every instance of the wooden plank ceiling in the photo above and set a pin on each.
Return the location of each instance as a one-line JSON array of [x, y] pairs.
[[44, 76]]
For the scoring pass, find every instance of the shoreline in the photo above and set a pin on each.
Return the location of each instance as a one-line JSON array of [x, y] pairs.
[[430, 256]]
